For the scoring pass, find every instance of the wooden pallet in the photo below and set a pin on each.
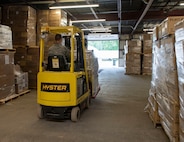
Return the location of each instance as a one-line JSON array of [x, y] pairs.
[[9, 98], [8, 50], [156, 123], [96, 93]]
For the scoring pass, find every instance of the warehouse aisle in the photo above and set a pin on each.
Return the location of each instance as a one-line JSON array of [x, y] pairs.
[[116, 115]]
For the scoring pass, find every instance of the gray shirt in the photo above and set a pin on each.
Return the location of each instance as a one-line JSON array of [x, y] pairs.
[[58, 49]]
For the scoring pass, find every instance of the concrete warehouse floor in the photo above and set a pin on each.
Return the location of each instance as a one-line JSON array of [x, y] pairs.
[[116, 115]]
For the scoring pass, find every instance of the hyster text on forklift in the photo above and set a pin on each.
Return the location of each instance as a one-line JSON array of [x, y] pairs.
[[63, 88]]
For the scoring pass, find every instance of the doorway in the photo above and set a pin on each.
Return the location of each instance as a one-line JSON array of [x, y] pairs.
[[106, 49]]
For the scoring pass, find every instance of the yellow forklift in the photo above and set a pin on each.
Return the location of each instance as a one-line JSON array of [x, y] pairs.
[[63, 88]]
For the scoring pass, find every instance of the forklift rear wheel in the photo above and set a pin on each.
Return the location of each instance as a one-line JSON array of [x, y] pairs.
[[40, 111], [75, 114]]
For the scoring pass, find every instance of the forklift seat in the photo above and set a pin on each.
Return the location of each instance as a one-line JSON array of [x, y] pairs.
[[57, 63]]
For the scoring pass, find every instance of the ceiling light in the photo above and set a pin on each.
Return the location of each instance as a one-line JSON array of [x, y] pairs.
[[182, 3], [51, 2], [150, 33], [74, 6], [87, 21], [147, 30], [69, 0], [96, 29]]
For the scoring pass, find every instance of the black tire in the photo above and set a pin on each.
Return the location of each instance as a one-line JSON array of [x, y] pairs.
[[40, 111], [75, 114]]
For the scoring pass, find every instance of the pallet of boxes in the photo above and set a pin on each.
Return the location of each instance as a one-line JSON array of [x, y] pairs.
[[133, 51], [146, 62], [152, 106], [8, 84], [164, 83], [92, 68], [26, 23], [179, 47], [138, 55], [22, 20]]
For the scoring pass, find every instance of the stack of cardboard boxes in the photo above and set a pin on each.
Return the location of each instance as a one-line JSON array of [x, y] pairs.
[[152, 107], [165, 78], [22, 20], [7, 83], [179, 47], [10, 83], [133, 50], [26, 25], [28, 59], [92, 68], [147, 54]]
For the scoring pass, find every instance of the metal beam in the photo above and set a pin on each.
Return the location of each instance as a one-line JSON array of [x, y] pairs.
[[143, 14], [119, 16], [132, 16]]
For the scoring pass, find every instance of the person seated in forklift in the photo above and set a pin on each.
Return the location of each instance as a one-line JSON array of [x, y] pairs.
[[58, 49]]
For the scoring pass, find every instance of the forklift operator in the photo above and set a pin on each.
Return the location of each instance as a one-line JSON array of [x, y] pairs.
[[58, 49]]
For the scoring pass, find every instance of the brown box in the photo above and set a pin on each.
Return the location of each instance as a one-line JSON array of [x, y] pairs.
[[28, 59], [155, 33], [6, 74], [168, 25], [50, 18], [134, 43], [132, 70], [21, 82], [133, 49], [146, 37], [160, 31]]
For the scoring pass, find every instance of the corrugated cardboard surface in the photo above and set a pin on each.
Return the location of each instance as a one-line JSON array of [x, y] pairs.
[[22, 20], [7, 86], [28, 59]]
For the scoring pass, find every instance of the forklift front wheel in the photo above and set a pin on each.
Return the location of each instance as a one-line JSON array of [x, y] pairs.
[[75, 114], [40, 111]]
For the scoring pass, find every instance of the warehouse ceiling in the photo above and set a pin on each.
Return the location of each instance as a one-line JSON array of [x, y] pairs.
[[122, 16]]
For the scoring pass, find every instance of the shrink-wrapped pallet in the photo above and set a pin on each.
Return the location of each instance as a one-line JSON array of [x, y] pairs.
[[179, 47], [5, 37]]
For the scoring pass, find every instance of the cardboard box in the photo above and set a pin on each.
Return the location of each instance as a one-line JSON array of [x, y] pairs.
[[168, 25], [132, 70], [50, 18], [6, 74], [28, 59], [134, 43], [160, 31], [21, 82], [155, 33], [132, 49]]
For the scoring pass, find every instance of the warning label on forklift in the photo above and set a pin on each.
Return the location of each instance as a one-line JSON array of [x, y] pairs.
[[55, 87]]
